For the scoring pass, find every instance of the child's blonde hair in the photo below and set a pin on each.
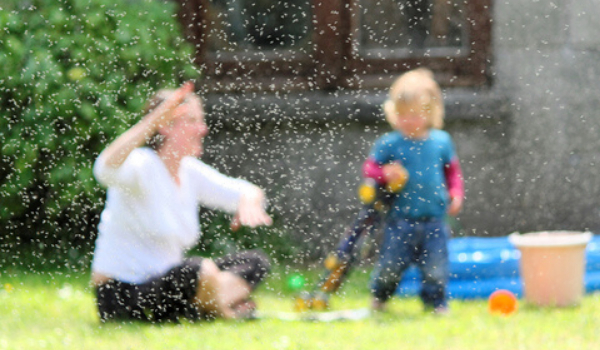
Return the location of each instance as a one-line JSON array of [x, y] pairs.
[[416, 86]]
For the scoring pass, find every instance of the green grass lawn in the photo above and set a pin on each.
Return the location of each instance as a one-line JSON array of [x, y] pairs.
[[55, 310]]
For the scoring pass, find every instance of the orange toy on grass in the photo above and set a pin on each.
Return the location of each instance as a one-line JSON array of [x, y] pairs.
[[502, 302]]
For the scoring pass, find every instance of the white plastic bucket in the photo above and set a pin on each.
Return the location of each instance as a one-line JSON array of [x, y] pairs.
[[552, 266]]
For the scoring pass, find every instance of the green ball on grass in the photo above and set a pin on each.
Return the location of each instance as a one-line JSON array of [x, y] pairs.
[[295, 282]]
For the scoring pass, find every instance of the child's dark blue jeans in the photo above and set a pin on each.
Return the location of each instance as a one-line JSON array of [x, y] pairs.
[[422, 242]]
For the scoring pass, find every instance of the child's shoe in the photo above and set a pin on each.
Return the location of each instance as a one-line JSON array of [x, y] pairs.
[[378, 305], [441, 311]]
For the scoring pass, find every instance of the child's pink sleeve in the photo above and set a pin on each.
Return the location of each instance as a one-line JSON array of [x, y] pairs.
[[454, 179], [373, 170]]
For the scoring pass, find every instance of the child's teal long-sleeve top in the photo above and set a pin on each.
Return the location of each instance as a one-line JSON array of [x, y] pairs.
[[426, 193]]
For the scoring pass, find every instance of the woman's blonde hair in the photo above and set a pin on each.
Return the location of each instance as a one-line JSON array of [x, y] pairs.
[[416, 86]]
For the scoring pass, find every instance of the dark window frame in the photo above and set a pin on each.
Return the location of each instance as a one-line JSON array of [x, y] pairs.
[[334, 62]]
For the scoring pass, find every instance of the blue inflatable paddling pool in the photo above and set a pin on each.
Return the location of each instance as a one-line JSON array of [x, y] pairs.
[[480, 266]]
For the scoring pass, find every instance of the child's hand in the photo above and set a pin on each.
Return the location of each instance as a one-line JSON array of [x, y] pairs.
[[393, 172], [395, 176], [455, 206], [251, 211]]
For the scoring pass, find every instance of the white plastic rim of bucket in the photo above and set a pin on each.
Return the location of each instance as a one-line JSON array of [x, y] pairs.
[[550, 238]]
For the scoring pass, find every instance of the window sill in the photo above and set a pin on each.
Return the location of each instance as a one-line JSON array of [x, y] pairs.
[[339, 107]]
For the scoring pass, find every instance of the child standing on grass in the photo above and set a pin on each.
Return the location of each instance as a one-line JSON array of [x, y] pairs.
[[415, 231]]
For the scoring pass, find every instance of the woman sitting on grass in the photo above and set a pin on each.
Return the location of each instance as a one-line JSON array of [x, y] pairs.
[[151, 219]]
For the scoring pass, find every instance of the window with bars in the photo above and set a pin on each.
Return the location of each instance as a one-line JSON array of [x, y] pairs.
[[291, 45]]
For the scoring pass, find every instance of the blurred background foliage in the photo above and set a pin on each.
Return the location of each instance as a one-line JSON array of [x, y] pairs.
[[73, 75]]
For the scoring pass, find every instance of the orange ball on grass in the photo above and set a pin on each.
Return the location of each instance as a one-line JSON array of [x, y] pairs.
[[502, 302]]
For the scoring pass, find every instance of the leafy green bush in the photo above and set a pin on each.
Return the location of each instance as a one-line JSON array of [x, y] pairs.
[[73, 75]]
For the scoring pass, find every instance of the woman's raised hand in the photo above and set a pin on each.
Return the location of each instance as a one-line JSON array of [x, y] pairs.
[[164, 113]]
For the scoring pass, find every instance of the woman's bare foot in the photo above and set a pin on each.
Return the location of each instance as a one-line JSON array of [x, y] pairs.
[[245, 310]]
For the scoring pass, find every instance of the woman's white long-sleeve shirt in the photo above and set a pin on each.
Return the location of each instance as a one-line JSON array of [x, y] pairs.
[[149, 221]]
